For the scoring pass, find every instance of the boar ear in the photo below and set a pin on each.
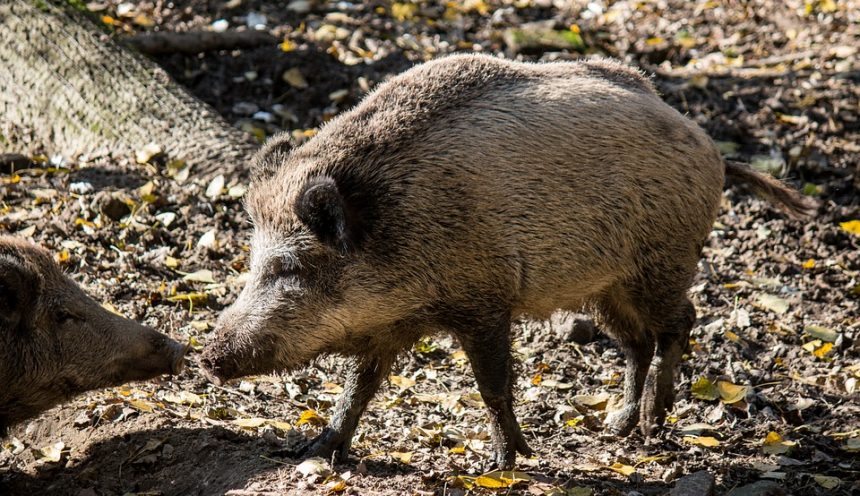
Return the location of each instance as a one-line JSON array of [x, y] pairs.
[[322, 208], [271, 157], [18, 290]]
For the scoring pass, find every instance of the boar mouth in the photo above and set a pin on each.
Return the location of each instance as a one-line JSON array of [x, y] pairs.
[[220, 369]]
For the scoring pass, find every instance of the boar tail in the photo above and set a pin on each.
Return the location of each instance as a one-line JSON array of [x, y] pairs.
[[791, 201]]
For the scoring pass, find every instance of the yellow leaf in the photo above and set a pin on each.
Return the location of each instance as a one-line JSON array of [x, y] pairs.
[[704, 389], [458, 450], [656, 40], [171, 263], [310, 417], [141, 405], [852, 226], [823, 350], [280, 425], [249, 423], [499, 479], [731, 393], [707, 441], [809, 264], [536, 379], [662, 457], [774, 444], [622, 469], [401, 382], [183, 398], [287, 46], [403, 11], [404, 457], [826, 481], [193, 298], [337, 487], [812, 345], [574, 421]]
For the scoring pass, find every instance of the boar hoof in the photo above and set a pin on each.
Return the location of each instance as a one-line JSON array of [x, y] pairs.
[[330, 445], [505, 456], [622, 422]]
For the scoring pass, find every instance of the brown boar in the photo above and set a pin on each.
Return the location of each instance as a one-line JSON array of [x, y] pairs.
[[56, 342], [464, 193]]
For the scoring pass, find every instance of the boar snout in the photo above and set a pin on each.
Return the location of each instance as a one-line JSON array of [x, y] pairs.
[[225, 360], [149, 354]]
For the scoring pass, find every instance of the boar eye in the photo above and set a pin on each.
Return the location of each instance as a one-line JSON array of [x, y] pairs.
[[64, 316], [282, 268]]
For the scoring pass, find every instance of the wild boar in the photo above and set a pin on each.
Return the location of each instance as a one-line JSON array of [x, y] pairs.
[[56, 342], [464, 193]]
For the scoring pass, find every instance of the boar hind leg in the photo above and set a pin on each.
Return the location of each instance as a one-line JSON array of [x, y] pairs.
[[637, 343], [672, 339], [488, 347], [364, 376]]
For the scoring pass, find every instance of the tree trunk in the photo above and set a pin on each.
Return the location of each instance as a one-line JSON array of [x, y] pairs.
[[66, 86]]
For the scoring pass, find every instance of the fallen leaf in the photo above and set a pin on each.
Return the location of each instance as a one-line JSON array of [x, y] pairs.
[[250, 423], [295, 78], [622, 469], [147, 153], [809, 264], [215, 187], [826, 481], [499, 479], [338, 486], [401, 382], [593, 401], [50, 454], [822, 333], [852, 444], [204, 275], [823, 350], [310, 417], [852, 226], [697, 429], [404, 457], [209, 240], [731, 393], [774, 444], [704, 389], [313, 466], [143, 406], [773, 303], [706, 441]]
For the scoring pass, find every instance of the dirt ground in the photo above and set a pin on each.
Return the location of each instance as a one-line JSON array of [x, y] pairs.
[[767, 395]]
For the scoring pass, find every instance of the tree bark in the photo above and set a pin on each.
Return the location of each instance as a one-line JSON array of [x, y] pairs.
[[67, 87]]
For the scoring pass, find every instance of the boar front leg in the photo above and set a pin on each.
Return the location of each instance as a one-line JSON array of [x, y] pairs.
[[364, 376], [488, 347]]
